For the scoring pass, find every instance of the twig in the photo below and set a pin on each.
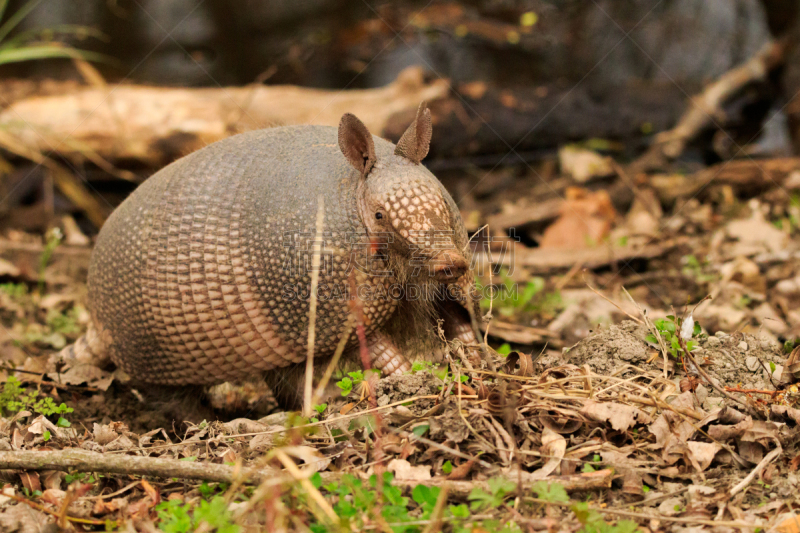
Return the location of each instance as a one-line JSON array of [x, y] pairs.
[[312, 311], [611, 301], [334, 362], [310, 489], [771, 456]]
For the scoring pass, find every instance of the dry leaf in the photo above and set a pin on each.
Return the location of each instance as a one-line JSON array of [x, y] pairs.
[[756, 234], [622, 417], [585, 220], [554, 446], [702, 453], [403, 470]]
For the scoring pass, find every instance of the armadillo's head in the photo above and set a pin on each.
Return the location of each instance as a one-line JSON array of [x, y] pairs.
[[402, 203]]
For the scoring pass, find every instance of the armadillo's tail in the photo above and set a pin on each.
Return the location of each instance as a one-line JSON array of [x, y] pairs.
[[89, 348]]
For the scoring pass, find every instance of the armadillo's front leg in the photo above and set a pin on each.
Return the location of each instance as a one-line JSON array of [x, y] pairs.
[[457, 323], [385, 356]]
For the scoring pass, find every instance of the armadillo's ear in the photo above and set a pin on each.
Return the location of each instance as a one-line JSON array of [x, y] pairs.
[[356, 143], [416, 141]]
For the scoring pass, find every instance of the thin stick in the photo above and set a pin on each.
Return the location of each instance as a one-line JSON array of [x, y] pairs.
[[771, 456], [310, 489], [308, 405]]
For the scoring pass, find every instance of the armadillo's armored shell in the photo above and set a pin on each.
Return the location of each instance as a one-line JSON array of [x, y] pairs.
[[200, 275]]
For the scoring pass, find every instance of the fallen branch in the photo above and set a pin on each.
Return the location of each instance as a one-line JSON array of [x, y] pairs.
[[154, 125], [75, 460], [771, 456]]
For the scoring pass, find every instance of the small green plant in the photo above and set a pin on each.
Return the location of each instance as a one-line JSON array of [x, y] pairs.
[[64, 323], [357, 503], [181, 517], [16, 291], [511, 299], [39, 44], [499, 488], [695, 269], [14, 398], [447, 467], [667, 327], [421, 366], [551, 492], [352, 379], [504, 349], [82, 477]]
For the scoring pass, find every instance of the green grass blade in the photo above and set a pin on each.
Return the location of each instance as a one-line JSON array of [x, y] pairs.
[[17, 17], [3, 6], [64, 29], [31, 53]]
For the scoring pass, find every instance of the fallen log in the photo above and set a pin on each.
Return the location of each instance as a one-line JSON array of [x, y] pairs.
[[155, 125]]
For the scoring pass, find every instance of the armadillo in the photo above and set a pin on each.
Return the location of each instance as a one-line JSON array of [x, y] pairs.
[[203, 274]]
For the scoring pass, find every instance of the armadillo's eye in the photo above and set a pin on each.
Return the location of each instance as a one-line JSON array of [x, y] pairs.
[[379, 215]]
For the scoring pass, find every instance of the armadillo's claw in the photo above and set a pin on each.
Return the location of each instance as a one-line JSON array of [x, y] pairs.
[[385, 356]]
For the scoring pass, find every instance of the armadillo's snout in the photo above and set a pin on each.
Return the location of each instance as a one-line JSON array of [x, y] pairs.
[[448, 266]]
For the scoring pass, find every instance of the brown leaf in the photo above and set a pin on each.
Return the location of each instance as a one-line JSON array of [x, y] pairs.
[[585, 220], [461, 471], [51, 479], [621, 417], [152, 492], [553, 446], [702, 453], [30, 480]]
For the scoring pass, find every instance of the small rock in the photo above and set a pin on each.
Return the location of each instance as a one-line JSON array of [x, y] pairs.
[[752, 363], [713, 342], [714, 402], [777, 375], [701, 393], [743, 346], [721, 335]]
